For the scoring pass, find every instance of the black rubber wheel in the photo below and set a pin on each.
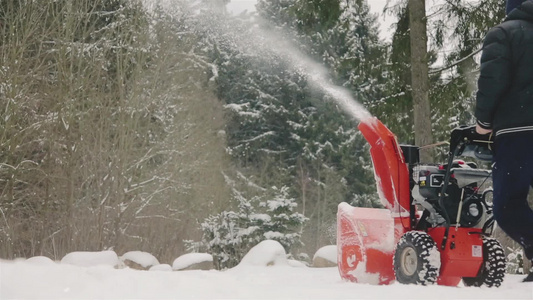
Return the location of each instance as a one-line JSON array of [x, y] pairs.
[[494, 264], [416, 259]]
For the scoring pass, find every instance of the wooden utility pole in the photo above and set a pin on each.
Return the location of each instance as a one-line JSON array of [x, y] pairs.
[[420, 77]]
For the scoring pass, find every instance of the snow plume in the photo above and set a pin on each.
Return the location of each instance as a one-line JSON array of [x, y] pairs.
[[316, 73], [256, 37]]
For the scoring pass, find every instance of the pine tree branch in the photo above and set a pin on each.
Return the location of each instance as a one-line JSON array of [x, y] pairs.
[[436, 71]]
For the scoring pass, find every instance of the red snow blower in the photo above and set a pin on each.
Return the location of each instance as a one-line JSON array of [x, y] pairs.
[[437, 223]]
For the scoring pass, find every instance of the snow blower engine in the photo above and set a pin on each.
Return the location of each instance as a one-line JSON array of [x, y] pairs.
[[437, 223]]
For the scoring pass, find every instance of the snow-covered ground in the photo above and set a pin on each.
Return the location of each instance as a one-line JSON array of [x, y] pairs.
[[41, 278]]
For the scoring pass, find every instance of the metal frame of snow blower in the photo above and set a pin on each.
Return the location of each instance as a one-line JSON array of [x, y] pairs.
[[460, 139], [461, 249]]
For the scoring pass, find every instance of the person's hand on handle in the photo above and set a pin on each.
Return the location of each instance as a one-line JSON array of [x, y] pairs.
[[481, 130]]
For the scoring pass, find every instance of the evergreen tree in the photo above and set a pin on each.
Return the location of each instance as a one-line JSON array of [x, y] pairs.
[[284, 129], [420, 77], [229, 235], [282, 223], [456, 31], [453, 95]]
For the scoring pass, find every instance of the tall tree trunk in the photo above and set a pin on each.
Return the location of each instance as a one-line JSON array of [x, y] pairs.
[[420, 77]]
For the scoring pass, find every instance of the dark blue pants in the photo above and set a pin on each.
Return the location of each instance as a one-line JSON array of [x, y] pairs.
[[512, 177]]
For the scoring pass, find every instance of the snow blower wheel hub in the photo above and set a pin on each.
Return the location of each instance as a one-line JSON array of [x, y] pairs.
[[409, 261]]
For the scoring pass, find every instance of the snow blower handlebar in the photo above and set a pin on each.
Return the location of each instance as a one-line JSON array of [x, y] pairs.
[[470, 143]]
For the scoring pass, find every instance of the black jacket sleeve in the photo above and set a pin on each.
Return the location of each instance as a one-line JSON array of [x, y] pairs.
[[495, 75]]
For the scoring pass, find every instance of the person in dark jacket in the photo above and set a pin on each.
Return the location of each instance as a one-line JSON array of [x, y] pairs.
[[504, 108]]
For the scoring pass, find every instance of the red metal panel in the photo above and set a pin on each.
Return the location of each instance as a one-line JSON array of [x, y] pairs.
[[463, 255], [392, 174], [365, 241]]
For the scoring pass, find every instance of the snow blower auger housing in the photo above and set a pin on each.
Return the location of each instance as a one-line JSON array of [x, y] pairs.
[[437, 220]]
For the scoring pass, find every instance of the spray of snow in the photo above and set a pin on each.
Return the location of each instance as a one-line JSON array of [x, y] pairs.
[[316, 73], [263, 41]]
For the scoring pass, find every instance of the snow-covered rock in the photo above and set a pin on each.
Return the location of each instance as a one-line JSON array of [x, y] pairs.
[[161, 267], [266, 253], [139, 260], [325, 257], [40, 261], [89, 259], [193, 261]]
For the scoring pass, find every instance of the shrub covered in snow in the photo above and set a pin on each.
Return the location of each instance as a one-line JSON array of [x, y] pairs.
[[229, 235], [282, 223]]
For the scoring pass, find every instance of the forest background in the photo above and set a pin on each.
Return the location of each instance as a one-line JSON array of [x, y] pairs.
[[163, 126]]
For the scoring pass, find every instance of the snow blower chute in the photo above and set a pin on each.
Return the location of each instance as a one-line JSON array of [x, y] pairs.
[[437, 220]]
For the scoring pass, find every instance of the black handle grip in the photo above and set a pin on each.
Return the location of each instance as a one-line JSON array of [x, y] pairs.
[[480, 145]]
